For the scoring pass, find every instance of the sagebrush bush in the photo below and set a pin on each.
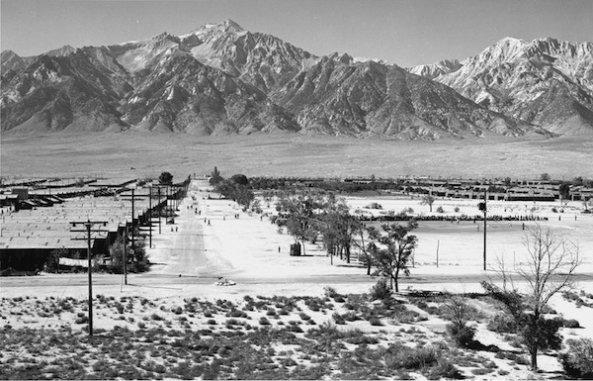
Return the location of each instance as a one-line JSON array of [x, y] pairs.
[[578, 360], [463, 335], [411, 358], [502, 323], [444, 369], [380, 290]]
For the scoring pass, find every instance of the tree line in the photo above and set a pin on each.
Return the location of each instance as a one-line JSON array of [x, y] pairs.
[[236, 188]]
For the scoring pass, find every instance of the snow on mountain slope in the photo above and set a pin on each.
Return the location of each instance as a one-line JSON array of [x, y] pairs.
[[434, 70], [223, 79], [545, 82]]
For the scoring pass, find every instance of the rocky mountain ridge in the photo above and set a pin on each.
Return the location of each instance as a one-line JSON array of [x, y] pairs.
[[545, 82], [222, 79]]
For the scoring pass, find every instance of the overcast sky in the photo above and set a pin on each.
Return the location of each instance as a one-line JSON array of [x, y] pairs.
[[405, 32]]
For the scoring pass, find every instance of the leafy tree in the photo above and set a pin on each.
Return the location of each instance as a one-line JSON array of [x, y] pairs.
[[392, 249], [564, 190], [137, 260], [239, 193], [52, 264], [240, 179], [300, 217], [116, 251], [138, 253], [215, 177], [544, 177], [365, 258], [551, 264], [578, 181], [166, 178], [338, 227], [255, 206], [428, 200], [243, 196]]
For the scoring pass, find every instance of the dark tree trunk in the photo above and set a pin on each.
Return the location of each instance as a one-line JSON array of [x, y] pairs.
[[348, 254]]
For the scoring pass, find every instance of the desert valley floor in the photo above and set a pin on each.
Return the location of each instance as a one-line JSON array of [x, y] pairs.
[[122, 154]]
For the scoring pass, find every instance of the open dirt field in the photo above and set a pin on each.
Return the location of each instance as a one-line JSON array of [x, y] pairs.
[[460, 244], [117, 154]]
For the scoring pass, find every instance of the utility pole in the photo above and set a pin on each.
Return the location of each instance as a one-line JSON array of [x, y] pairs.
[[150, 217], [133, 199], [438, 244], [126, 254], [133, 214], [159, 210], [159, 194], [88, 230], [485, 224], [483, 208]]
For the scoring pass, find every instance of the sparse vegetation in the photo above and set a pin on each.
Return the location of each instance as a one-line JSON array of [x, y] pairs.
[[552, 262], [578, 359]]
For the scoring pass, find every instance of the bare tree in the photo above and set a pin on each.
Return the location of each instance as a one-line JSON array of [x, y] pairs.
[[550, 267], [428, 200]]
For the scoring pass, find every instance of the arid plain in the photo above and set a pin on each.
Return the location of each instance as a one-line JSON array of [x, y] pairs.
[[131, 153]]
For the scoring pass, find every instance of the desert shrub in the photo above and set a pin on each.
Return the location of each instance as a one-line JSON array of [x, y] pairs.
[[380, 290], [338, 319], [444, 369], [463, 335], [119, 307], [350, 316], [459, 312], [375, 321], [481, 371], [456, 209], [235, 313], [330, 292], [502, 323], [264, 321], [374, 205], [578, 360], [403, 315], [295, 328], [569, 323], [399, 356], [440, 209]]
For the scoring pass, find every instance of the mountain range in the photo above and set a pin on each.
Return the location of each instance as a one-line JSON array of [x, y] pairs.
[[221, 79]]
